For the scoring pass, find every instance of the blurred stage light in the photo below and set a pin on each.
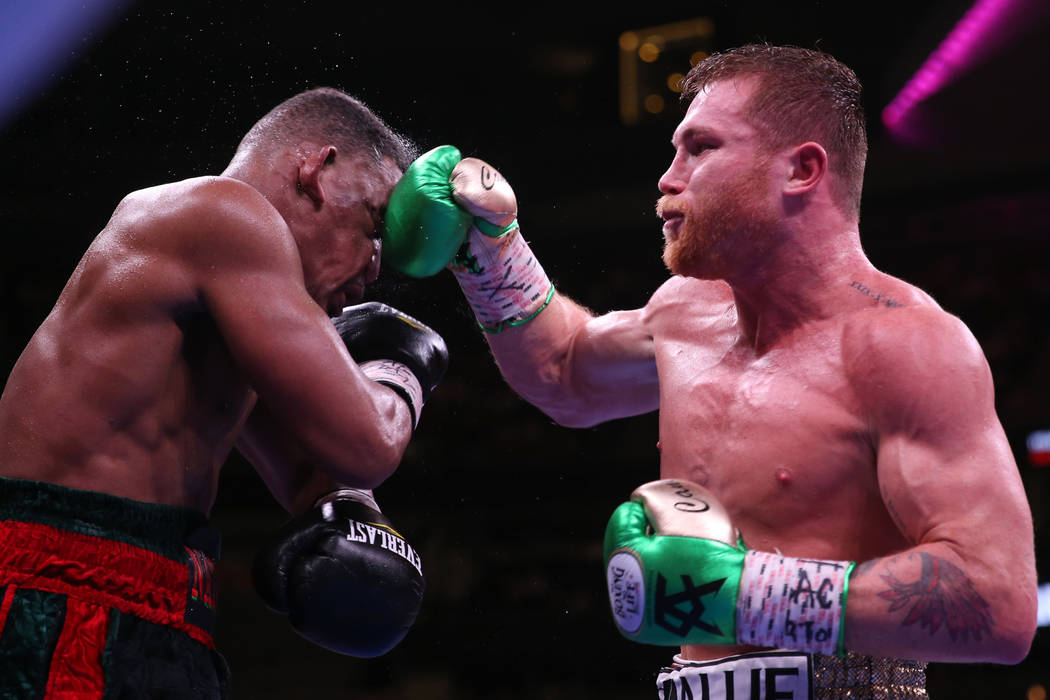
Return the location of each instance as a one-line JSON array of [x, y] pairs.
[[1044, 605], [652, 61], [985, 28], [1038, 444], [38, 38]]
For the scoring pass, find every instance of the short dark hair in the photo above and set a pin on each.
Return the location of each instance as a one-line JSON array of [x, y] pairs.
[[329, 115], [802, 95]]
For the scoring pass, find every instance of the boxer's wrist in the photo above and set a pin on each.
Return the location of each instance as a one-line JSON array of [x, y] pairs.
[[793, 603], [501, 279], [398, 377], [365, 496]]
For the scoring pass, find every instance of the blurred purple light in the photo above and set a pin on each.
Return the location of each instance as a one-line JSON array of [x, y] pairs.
[[38, 38], [982, 24]]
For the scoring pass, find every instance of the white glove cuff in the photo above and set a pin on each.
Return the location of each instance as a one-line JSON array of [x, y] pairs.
[[360, 495], [399, 378], [504, 284], [791, 603]]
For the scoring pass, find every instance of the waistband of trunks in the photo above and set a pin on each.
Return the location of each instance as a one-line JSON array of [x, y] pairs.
[[819, 676], [164, 529], [878, 678], [149, 560]]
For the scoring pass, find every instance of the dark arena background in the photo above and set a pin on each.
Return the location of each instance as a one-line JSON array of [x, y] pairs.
[[572, 103]]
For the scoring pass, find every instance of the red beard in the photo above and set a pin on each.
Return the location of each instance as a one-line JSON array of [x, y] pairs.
[[725, 228]]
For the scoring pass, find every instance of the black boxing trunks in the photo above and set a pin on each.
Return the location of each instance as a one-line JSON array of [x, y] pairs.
[[790, 675], [104, 597]]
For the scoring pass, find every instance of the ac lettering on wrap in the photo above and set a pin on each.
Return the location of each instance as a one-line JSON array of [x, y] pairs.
[[812, 597]]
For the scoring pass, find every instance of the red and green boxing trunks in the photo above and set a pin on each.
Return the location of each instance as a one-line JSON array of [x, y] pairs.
[[104, 597]]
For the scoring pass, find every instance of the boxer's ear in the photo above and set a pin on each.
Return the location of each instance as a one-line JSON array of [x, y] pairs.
[[809, 164], [310, 167]]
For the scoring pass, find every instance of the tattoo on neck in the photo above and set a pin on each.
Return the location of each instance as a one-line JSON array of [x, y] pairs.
[[878, 297], [942, 596]]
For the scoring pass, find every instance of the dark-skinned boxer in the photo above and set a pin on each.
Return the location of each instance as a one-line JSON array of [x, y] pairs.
[[199, 320]]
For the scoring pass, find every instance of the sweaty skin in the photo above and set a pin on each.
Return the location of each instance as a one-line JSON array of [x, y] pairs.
[[200, 301], [837, 412]]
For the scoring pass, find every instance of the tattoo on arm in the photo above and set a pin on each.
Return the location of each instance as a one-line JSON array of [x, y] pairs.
[[942, 595], [862, 568]]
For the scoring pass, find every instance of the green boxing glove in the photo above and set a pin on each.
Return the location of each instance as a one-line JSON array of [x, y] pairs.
[[450, 211], [678, 573], [424, 227]]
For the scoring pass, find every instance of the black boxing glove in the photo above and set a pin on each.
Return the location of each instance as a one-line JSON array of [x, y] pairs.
[[394, 349], [344, 577]]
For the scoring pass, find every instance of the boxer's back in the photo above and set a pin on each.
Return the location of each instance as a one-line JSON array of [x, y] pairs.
[[126, 386]]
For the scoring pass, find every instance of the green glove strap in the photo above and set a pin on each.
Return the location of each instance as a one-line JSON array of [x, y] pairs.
[[840, 648], [492, 230], [669, 590]]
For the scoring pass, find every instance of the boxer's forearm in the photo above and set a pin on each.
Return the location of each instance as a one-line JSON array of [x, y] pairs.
[[930, 603], [285, 466], [536, 359], [579, 369]]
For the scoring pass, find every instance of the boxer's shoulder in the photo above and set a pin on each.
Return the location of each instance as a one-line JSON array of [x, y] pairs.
[[920, 333], [210, 204], [681, 297], [892, 355], [206, 219]]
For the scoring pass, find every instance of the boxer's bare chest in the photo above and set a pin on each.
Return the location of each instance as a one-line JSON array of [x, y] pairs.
[[780, 437]]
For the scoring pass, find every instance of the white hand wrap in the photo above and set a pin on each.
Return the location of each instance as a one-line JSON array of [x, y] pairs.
[[503, 281], [501, 278], [792, 603], [365, 496], [399, 378]]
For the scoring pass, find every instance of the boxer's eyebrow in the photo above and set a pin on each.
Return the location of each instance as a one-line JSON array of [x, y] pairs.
[[692, 135]]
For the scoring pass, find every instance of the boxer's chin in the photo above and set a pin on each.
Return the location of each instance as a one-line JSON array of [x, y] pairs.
[[685, 256]]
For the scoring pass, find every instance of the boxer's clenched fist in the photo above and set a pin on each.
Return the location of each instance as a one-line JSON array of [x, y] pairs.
[[678, 573], [424, 226], [480, 189], [346, 579], [394, 349], [450, 211], [673, 537]]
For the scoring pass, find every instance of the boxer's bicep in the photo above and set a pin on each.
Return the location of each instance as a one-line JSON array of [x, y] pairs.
[[945, 468], [578, 368], [614, 358], [948, 479], [964, 591]]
